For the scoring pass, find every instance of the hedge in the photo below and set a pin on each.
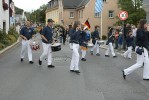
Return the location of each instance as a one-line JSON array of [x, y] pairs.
[[8, 39]]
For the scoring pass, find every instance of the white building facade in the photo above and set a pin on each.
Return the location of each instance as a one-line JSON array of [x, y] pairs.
[[4, 16]]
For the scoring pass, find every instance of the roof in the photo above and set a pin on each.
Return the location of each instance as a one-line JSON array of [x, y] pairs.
[[74, 3]]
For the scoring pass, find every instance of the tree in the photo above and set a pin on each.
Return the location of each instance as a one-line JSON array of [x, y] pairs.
[[18, 10], [37, 15], [134, 9]]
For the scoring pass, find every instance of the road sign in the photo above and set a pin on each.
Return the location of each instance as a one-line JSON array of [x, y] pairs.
[[123, 15]]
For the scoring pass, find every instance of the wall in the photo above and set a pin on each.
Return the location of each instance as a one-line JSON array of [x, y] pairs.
[[4, 17]]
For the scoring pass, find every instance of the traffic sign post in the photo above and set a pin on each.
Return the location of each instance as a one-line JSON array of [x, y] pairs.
[[123, 15]]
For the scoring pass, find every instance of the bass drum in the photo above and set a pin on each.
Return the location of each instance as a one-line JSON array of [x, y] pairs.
[[56, 47]]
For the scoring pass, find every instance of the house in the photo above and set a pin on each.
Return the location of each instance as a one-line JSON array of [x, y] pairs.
[[4, 11], [65, 12], [12, 14], [146, 8]]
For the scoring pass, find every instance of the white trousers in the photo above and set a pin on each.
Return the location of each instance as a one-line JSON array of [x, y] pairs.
[[83, 53], [46, 51], [128, 52], [26, 44], [96, 46], [140, 60], [110, 48], [75, 57]]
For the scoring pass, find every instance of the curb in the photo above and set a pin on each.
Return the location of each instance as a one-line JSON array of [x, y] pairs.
[[9, 47]]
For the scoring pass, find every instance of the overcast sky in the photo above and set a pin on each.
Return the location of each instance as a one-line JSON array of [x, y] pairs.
[[29, 5]]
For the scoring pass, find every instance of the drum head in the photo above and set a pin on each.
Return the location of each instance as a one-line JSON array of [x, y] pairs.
[[90, 45], [56, 44]]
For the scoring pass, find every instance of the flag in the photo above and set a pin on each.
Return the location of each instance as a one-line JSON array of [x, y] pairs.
[[87, 24], [98, 6]]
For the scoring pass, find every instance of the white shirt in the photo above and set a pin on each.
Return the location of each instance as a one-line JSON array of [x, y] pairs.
[[134, 31]]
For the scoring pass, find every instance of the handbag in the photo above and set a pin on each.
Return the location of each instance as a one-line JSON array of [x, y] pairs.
[[139, 50]]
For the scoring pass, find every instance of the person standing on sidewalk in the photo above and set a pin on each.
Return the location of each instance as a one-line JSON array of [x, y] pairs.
[[142, 41], [110, 43], [129, 42], [95, 38], [47, 39], [134, 30], [74, 45], [26, 34]]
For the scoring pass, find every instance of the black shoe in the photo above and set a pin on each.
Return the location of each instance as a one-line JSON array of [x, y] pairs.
[[21, 59], [77, 71], [146, 79], [83, 59], [40, 62], [124, 76], [31, 62], [51, 66], [114, 56], [72, 71], [97, 54], [107, 56]]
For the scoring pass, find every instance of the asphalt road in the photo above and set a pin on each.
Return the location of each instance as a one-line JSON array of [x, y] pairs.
[[100, 78]]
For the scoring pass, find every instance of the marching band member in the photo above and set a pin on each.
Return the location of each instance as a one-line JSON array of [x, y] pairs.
[[26, 34], [95, 37], [74, 43], [47, 39], [142, 37], [85, 37], [110, 43], [129, 42]]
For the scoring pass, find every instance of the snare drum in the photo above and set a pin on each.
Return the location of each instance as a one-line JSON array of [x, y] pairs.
[[100, 42], [56, 47], [90, 45]]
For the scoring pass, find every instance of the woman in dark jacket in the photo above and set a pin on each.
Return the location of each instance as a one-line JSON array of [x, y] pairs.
[[141, 45], [110, 43], [74, 45]]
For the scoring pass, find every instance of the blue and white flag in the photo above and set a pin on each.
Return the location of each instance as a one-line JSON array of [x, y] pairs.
[[98, 6]]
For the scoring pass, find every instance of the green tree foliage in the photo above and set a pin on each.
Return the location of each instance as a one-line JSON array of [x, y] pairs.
[[18, 10], [37, 15], [134, 9]]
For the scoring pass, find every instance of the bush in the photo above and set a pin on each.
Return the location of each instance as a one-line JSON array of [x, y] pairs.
[[2, 46], [104, 37], [13, 32], [8, 39], [12, 38]]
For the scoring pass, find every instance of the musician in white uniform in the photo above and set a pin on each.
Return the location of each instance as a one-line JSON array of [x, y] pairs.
[[95, 38], [47, 39], [110, 44], [26, 34], [74, 43], [142, 46]]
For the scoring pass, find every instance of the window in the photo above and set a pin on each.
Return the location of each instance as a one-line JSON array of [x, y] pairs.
[[104, 0], [111, 14], [4, 26], [71, 14], [98, 14]]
